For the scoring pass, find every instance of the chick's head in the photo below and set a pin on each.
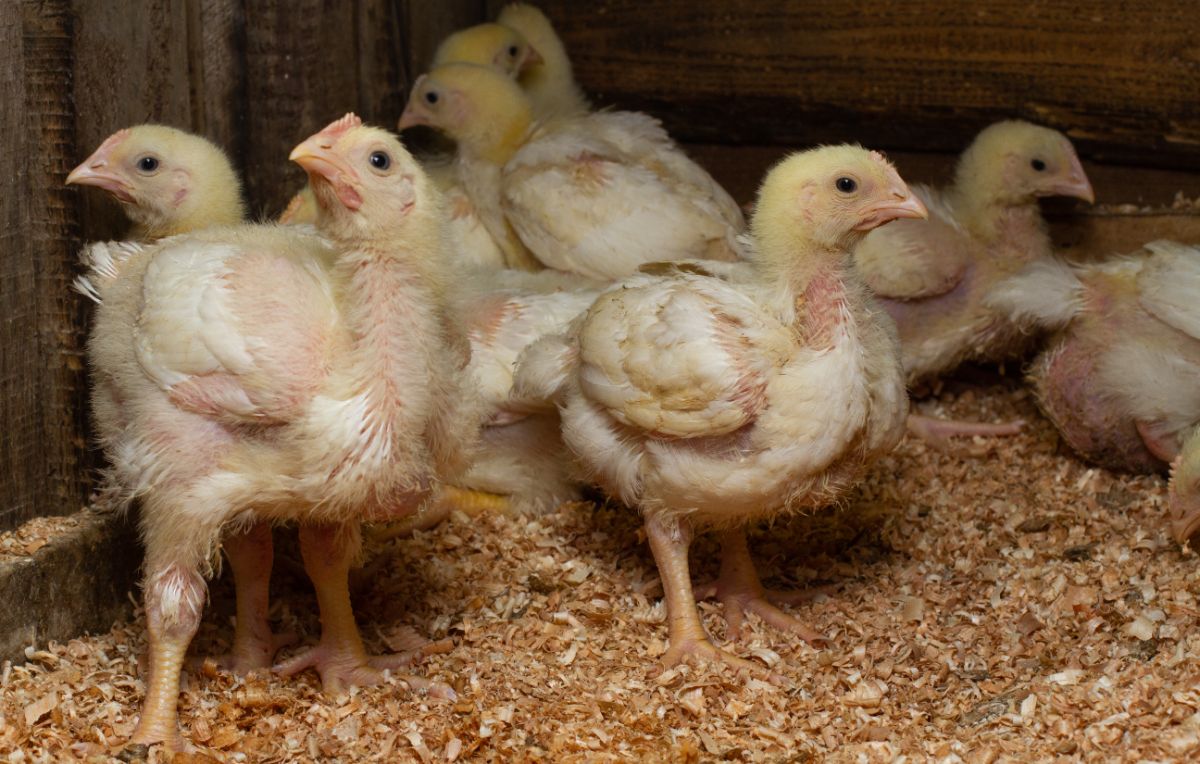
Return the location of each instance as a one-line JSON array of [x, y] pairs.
[[484, 111], [1014, 162], [826, 199], [494, 45], [366, 184], [168, 181]]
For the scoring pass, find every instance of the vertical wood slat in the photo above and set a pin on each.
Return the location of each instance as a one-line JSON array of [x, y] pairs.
[[41, 376]]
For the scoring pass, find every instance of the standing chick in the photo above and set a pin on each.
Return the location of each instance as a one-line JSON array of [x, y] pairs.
[[1118, 377], [258, 374], [933, 276], [597, 195], [171, 182], [717, 402]]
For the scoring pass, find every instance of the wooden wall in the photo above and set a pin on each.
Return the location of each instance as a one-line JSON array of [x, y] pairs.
[[1122, 79], [256, 76]]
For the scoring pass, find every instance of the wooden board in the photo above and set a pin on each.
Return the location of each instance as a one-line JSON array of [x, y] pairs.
[[1120, 79], [42, 392]]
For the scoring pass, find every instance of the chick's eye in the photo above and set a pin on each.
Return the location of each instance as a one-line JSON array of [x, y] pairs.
[[147, 164], [513, 50], [847, 185], [1038, 165], [431, 97], [380, 160]]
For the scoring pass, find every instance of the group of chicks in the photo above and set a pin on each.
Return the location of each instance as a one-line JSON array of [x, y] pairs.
[[416, 334]]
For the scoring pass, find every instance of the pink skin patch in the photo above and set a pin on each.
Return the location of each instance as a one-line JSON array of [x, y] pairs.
[[338, 128]]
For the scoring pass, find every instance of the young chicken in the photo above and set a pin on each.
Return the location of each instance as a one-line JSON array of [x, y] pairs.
[[171, 182], [1118, 377], [549, 82], [256, 373], [933, 276], [597, 195], [716, 402], [523, 45]]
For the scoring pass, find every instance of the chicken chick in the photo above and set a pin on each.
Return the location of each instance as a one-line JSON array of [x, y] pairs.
[[597, 195], [1117, 377], [523, 45], [933, 276], [257, 373], [716, 402], [171, 182]]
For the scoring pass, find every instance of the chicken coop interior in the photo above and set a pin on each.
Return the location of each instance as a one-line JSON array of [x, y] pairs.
[[984, 598]]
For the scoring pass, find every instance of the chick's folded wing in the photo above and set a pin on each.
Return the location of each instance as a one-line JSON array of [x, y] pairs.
[[584, 202], [240, 331], [680, 358], [915, 259], [1169, 284]]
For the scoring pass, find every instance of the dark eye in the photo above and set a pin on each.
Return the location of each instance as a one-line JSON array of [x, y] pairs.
[[147, 164], [513, 50], [380, 160], [431, 97], [1038, 165], [847, 185]]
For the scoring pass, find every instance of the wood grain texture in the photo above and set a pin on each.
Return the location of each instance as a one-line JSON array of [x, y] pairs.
[[1120, 79], [42, 387]]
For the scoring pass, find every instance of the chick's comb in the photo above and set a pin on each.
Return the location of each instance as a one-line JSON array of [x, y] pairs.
[[337, 127], [112, 141]]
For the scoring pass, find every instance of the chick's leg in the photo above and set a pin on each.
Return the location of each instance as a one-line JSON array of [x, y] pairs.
[[740, 591], [174, 603], [937, 432], [250, 555], [669, 542], [340, 657], [1183, 494]]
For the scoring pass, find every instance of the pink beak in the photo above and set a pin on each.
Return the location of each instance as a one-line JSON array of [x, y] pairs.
[[411, 117], [97, 170], [533, 59], [1073, 182], [904, 204], [318, 159]]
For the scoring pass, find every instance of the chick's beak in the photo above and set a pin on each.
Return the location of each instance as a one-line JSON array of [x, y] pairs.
[[411, 117], [99, 170], [1073, 181], [323, 164], [902, 204], [532, 59]]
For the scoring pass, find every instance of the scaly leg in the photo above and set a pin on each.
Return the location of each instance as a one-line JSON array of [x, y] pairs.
[[740, 591], [250, 556], [937, 432], [669, 542], [340, 658], [174, 604], [1183, 494]]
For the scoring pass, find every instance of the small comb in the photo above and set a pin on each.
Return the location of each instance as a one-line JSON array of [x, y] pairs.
[[337, 127], [111, 141]]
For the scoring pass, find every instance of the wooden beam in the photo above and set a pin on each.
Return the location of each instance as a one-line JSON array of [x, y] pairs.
[[1121, 80]]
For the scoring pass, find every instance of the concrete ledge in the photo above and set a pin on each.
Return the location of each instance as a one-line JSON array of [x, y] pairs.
[[77, 583]]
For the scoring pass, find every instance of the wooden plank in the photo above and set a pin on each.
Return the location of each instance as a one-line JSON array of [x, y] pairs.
[[216, 35], [18, 331], [1121, 79], [42, 389], [302, 55]]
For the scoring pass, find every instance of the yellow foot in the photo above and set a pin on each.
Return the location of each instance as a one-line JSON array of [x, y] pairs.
[[340, 669], [700, 650], [448, 499], [739, 600], [148, 733]]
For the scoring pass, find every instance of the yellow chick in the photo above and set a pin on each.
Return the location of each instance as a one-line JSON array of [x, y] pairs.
[[716, 402], [261, 373], [598, 195], [933, 276], [521, 44]]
